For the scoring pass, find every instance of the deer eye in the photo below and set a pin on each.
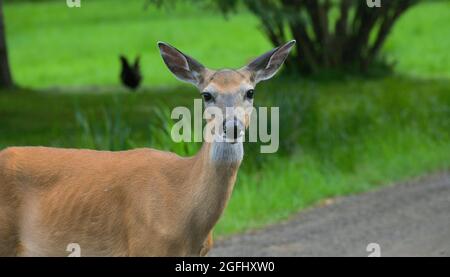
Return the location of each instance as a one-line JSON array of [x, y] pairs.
[[207, 96], [250, 94]]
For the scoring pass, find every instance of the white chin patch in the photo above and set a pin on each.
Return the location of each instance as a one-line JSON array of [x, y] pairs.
[[227, 152]]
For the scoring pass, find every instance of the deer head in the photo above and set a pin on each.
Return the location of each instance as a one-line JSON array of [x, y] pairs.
[[226, 92]]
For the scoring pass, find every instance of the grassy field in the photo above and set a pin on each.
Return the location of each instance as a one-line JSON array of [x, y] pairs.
[[337, 137], [81, 46], [76, 47]]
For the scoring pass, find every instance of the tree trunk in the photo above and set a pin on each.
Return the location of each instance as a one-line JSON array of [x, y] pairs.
[[5, 73]]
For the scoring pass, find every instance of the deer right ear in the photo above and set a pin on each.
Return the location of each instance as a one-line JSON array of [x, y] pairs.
[[265, 66], [182, 66]]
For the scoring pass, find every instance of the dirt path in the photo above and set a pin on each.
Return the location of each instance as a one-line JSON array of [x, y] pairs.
[[408, 219]]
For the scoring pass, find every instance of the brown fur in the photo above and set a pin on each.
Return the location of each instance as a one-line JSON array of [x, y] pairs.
[[142, 202], [133, 203], [228, 81]]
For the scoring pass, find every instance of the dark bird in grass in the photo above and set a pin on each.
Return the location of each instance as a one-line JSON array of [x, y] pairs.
[[130, 74]]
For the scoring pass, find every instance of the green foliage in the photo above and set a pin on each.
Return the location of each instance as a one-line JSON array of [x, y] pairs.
[[113, 132], [342, 138], [113, 135], [80, 47], [339, 35], [82, 39], [160, 136]]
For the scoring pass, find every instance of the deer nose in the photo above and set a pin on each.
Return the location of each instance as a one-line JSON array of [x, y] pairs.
[[232, 128]]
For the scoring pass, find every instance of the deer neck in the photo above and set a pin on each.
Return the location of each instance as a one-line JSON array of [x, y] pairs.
[[214, 171]]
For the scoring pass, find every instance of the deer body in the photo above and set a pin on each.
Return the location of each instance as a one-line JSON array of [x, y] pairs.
[[142, 202], [158, 206]]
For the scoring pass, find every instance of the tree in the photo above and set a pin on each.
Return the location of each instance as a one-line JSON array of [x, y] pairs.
[[6, 80], [331, 34]]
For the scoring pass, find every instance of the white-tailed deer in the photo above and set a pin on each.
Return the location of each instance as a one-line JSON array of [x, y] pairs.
[[142, 202]]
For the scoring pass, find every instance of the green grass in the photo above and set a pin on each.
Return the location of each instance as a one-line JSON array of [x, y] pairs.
[[353, 137], [77, 47], [419, 43], [287, 186], [81, 46]]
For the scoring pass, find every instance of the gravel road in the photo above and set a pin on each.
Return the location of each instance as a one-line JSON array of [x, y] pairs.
[[408, 219]]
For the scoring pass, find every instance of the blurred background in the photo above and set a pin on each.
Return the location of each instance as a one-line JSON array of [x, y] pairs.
[[364, 100]]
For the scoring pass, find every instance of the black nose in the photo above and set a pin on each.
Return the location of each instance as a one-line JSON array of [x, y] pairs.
[[235, 128], [235, 131]]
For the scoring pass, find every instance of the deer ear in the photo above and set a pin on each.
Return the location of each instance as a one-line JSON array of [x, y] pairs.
[[182, 66], [265, 66]]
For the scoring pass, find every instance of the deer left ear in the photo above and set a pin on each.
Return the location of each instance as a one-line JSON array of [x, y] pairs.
[[181, 65], [265, 66]]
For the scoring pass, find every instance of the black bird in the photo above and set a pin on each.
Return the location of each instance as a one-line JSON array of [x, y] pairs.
[[130, 74]]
